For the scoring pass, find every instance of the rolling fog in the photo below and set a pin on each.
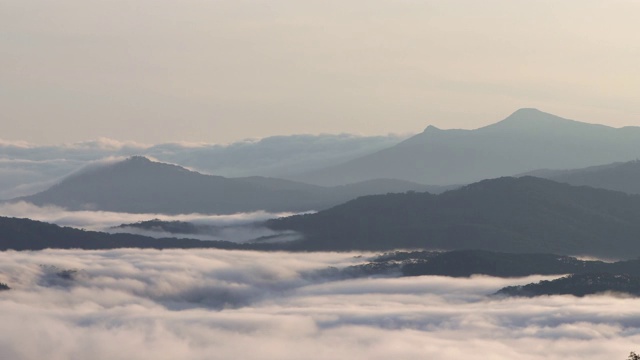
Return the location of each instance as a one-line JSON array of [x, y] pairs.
[[204, 304]]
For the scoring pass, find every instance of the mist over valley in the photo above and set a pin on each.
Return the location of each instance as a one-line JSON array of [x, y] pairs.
[[258, 262], [319, 180]]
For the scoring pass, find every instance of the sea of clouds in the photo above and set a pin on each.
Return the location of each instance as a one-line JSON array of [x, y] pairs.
[[215, 304]]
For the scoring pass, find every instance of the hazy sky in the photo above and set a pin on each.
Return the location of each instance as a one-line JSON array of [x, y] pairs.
[[218, 70]]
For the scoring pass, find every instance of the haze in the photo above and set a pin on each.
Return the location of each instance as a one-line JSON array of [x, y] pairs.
[[218, 71]]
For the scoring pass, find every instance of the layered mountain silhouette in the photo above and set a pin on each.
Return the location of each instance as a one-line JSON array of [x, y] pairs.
[[528, 139], [526, 214], [139, 185], [617, 176]]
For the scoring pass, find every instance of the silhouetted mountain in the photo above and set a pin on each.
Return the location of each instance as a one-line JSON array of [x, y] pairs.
[[275, 156], [524, 214], [139, 185], [617, 176], [526, 140], [29, 169], [578, 285]]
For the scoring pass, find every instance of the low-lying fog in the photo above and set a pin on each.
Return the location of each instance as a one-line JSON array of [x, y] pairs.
[[239, 227], [215, 304]]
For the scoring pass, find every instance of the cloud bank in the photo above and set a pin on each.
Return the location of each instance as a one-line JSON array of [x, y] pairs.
[[177, 304]]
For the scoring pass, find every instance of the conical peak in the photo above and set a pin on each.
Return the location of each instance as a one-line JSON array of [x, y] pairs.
[[431, 128], [533, 119], [527, 111], [528, 114]]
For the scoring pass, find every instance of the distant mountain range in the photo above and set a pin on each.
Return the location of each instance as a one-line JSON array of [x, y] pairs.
[[29, 168], [523, 142], [617, 176], [528, 139], [524, 214], [139, 185]]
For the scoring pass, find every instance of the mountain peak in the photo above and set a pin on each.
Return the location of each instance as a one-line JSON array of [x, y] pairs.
[[138, 159], [138, 163], [528, 115], [431, 128], [529, 119], [525, 111]]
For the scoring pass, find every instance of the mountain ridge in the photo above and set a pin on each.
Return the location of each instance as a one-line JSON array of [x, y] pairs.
[[139, 185], [526, 140], [507, 214], [621, 176]]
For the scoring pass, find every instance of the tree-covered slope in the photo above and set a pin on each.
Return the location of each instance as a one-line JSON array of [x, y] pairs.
[[524, 214], [466, 263], [578, 285]]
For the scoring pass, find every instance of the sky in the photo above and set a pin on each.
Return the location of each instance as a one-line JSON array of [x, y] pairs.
[[218, 71]]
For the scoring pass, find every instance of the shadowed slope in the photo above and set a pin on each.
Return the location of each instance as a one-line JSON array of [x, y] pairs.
[[508, 214], [138, 185]]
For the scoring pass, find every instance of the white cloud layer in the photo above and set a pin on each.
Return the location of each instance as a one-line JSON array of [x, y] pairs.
[[214, 304]]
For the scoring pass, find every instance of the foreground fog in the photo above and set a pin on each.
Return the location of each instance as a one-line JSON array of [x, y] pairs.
[[213, 304]]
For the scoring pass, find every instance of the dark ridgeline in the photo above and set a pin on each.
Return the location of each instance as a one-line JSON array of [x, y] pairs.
[[527, 140], [586, 277], [524, 214], [578, 285], [173, 227], [26, 234], [527, 215], [139, 185], [465, 263]]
